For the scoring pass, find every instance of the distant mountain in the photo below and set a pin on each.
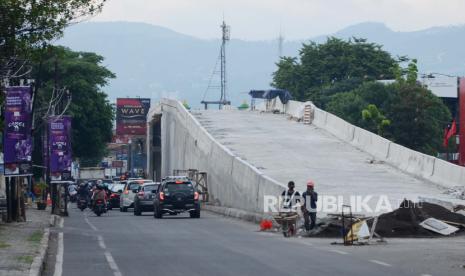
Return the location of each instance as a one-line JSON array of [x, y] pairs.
[[152, 61]]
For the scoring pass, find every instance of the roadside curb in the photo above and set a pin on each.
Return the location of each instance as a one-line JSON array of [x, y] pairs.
[[39, 261], [235, 213], [37, 265]]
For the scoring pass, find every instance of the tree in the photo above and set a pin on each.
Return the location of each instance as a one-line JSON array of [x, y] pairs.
[[92, 114], [348, 106], [26, 24], [418, 118], [374, 120], [288, 77], [408, 114], [321, 65]]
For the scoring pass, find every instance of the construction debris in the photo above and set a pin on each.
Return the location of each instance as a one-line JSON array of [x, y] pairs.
[[438, 226], [406, 221]]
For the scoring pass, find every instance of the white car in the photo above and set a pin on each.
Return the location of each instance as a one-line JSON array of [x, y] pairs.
[[130, 190]]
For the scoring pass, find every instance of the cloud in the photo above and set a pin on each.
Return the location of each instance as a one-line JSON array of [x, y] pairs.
[[262, 19]]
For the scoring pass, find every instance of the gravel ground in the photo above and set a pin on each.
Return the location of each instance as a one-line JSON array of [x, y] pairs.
[[19, 242]]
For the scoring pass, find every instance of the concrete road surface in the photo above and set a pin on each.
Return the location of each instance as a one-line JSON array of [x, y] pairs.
[[122, 244], [286, 150]]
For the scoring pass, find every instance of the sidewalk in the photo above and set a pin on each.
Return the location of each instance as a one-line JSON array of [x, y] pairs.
[[20, 242]]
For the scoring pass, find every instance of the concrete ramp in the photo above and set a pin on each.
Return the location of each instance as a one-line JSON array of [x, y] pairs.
[[287, 150], [233, 182], [251, 154]]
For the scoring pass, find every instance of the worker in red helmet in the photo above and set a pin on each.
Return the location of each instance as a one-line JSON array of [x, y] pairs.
[[310, 197]]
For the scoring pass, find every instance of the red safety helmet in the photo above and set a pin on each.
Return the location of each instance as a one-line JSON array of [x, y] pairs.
[[310, 183]]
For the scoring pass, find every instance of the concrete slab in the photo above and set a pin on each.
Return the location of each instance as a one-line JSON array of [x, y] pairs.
[[287, 150]]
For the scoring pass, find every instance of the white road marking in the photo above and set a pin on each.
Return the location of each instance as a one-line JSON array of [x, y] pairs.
[[61, 223], [338, 251], [426, 275], [380, 263], [59, 256], [101, 243], [112, 264], [90, 224]]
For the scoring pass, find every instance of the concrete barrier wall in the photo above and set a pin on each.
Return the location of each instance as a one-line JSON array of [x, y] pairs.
[[447, 175], [233, 182], [418, 164], [293, 108], [371, 143]]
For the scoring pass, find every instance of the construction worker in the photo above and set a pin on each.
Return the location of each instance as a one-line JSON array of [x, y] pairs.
[[310, 197], [290, 197]]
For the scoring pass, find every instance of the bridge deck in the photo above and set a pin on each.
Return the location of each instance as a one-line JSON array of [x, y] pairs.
[[286, 150]]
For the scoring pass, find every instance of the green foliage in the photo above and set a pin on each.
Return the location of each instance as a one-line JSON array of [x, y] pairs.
[[83, 75], [418, 118], [320, 96], [375, 121], [243, 106], [412, 72], [26, 24], [348, 106], [186, 105], [407, 114], [35, 237], [4, 245], [339, 76], [321, 65], [27, 259]]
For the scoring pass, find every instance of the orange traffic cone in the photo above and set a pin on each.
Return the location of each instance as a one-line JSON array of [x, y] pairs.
[[49, 200]]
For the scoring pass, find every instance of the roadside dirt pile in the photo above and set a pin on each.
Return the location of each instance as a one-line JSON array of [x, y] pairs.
[[405, 221], [402, 222]]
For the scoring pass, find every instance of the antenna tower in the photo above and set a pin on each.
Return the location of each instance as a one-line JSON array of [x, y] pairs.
[[226, 31]]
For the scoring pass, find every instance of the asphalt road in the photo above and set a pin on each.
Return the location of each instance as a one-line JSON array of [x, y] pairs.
[[122, 244]]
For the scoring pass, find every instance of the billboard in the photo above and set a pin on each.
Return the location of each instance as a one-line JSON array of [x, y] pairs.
[[441, 86], [17, 139], [59, 141], [131, 116]]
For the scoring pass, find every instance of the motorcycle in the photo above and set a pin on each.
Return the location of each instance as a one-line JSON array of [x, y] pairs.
[[99, 207], [82, 204], [73, 196]]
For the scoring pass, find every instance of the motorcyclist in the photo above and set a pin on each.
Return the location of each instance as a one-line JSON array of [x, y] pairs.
[[99, 194], [83, 191]]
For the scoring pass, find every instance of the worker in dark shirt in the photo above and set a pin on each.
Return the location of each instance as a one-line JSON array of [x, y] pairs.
[[310, 197], [290, 198]]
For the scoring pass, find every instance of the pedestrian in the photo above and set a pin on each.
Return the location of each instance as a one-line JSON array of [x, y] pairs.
[[310, 197], [290, 197]]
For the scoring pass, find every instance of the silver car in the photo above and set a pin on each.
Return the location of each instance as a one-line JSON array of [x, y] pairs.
[[131, 188]]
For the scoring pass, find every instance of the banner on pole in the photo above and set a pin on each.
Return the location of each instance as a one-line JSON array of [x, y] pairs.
[[17, 138], [131, 116], [59, 134]]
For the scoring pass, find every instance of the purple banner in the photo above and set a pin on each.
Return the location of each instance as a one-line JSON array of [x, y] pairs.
[[59, 133], [17, 147]]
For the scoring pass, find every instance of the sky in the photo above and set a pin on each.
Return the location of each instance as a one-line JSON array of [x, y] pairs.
[[296, 19]]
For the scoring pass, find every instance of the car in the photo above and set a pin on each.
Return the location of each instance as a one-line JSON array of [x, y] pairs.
[[107, 181], [176, 195], [131, 188], [143, 201], [116, 191]]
